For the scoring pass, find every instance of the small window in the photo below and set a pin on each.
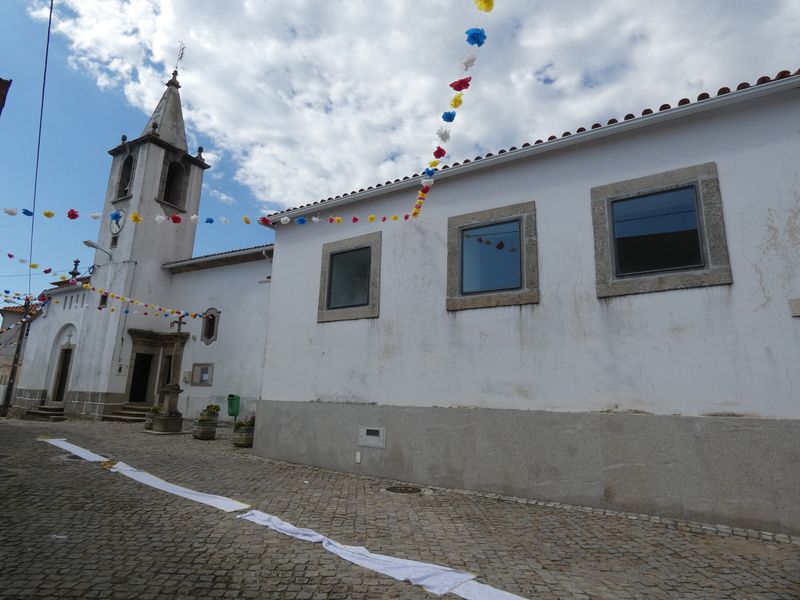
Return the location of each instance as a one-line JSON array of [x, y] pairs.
[[660, 232], [210, 326], [350, 279], [114, 240], [123, 189], [103, 300], [490, 258], [202, 374]]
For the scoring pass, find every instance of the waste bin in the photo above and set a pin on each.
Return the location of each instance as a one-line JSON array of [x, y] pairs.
[[233, 405]]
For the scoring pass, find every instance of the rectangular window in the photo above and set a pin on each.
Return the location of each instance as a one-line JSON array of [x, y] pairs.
[[657, 232], [490, 258], [660, 232], [114, 239], [103, 300], [348, 280]]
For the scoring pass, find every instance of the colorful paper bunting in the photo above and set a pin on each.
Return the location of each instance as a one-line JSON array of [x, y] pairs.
[[476, 36]]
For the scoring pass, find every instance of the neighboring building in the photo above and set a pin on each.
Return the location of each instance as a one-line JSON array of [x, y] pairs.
[[604, 319], [10, 337], [87, 354]]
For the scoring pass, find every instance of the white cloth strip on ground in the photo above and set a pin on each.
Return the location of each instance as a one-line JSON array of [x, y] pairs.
[[77, 450], [434, 578], [472, 590], [273, 522], [220, 502]]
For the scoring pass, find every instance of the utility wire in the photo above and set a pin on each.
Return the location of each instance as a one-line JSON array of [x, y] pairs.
[[39, 139]]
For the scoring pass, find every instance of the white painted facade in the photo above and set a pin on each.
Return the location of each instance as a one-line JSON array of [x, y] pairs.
[[722, 349], [151, 262]]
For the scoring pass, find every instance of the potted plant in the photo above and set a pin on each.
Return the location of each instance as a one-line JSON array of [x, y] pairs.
[[204, 427], [211, 411], [150, 415], [243, 432]]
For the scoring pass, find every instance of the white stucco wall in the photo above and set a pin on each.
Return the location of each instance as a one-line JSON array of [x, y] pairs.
[[697, 351], [237, 354], [68, 309]]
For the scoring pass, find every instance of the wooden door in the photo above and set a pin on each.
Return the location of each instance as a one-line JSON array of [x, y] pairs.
[[64, 360], [141, 377]]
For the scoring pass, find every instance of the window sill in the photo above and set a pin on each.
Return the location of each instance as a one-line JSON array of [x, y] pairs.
[[493, 299], [347, 314], [172, 206], [122, 199], [664, 282]]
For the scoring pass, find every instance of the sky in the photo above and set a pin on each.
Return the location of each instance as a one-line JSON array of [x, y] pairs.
[[298, 101]]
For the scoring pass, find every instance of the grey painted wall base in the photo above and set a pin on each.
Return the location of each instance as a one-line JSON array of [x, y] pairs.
[[735, 471], [26, 399]]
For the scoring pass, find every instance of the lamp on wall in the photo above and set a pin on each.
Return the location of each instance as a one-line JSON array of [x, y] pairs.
[[94, 246]]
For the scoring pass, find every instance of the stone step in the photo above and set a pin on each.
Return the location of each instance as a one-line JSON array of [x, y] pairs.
[[52, 408], [43, 415], [138, 408], [125, 412], [123, 418]]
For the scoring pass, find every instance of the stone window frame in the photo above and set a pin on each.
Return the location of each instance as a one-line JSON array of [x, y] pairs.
[[196, 381], [713, 242], [212, 338], [528, 293], [372, 309], [127, 196]]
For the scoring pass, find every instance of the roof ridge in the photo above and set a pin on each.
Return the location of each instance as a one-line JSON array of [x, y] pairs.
[[764, 79]]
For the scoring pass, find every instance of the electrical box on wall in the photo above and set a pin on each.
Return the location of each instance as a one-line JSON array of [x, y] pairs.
[[372, 437]]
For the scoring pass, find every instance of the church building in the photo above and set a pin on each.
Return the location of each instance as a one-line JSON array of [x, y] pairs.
[[98, 355], [606, 318]]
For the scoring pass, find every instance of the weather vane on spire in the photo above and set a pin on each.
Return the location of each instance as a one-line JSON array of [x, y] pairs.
[[181, 49]]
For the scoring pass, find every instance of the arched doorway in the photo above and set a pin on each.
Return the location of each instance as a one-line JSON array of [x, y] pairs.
[[61, 362]]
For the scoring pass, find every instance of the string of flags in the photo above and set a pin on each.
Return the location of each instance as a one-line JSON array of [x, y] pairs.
[[148, 309], [475, 37]]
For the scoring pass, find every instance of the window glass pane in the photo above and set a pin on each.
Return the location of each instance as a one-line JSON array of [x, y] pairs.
[[490, 258], [348, 280], [657, 232]]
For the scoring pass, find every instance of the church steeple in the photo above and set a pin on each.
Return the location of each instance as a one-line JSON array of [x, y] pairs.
[[168, 116]]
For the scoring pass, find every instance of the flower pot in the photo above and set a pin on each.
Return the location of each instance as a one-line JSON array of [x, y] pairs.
[[210, 416], [243, 437], [204, 430], [165, 424]]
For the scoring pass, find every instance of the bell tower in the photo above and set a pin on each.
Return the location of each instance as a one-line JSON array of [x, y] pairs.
[[155, 177]]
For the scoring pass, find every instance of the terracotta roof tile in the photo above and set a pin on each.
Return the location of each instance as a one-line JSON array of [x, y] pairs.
[[612, 121]]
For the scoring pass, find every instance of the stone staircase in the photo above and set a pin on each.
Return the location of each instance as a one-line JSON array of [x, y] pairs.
[[130, 413], [49, 412]]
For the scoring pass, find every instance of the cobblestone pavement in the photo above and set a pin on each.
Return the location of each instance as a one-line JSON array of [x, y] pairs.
[[70, 529]]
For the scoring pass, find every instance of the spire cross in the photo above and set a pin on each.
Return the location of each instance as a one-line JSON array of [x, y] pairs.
[[181, 49]]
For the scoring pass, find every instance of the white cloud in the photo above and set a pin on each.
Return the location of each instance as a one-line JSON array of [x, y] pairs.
[[221, 196], [311, 99]]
